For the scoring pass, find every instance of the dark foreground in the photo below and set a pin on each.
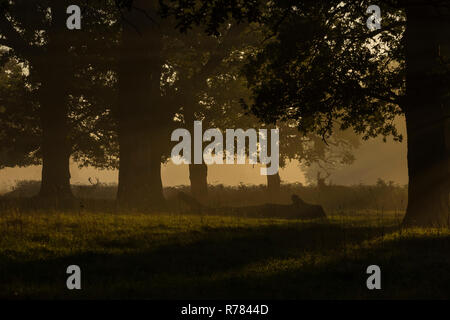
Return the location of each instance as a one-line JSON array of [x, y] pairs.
[[189, 257]]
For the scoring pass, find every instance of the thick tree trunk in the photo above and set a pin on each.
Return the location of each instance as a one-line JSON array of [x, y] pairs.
[[273, 187], [198, 175], [427, 120], [140, 184], [55, 183], [54, 72], [139, 116]]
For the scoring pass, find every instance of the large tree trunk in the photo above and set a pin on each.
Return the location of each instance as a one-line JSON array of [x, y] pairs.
[[139, 117], [198, 175], [427, 119], [54, 72], [55, 183], [140, 184], [274, 187]]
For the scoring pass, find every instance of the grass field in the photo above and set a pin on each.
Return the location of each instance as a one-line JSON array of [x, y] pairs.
[[181, 256]]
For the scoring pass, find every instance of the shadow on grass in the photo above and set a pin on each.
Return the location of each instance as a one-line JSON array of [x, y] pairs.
[[298, 260], [412, 268]]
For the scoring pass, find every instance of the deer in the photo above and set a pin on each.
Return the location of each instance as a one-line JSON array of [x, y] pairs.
[[85, 192], [298, 209], [94, 185]]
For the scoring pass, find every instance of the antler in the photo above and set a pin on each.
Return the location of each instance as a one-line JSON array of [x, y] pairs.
[[92, 183]]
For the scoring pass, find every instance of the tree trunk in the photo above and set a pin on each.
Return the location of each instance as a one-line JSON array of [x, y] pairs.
[[139, 115], [54, 73], [140, 184], [198, 175], [273, 187], [427, 119], [55, 183]]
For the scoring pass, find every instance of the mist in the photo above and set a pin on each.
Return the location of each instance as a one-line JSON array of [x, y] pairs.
[[374, 159]]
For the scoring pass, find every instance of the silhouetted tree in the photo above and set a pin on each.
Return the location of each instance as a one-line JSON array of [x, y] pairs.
[[427, 110], [322, 65], [58, 65], [20, 27], [208, 85], [141, 116]]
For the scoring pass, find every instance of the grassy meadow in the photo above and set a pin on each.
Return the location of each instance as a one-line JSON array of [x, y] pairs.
[[181, 256]]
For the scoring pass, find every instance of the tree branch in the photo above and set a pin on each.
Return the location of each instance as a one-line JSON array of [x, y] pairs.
[[13, 39]]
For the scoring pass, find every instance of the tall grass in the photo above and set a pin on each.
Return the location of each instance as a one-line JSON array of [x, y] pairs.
[[335, 199]]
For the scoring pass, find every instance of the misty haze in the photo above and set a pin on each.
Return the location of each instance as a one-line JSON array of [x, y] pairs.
[[344, 103]]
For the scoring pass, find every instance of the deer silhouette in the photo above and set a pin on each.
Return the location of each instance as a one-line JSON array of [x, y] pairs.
[[298, 209]]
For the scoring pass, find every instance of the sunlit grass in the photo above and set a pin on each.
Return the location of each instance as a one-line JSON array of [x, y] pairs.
[[190, 256]]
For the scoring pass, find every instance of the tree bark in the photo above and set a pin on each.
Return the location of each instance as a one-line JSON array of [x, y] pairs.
[[427, 119], [140, 184], [54, 72], [274, 187], [198, 175], [140, 116], [55, 183]]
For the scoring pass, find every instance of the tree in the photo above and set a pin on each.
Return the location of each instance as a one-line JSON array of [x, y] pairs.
[[366, 90], [427, 110], [331, 156], [310, 150], [140, 116], [58, 63], [21, 24], [336, 70], [210, 84]]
